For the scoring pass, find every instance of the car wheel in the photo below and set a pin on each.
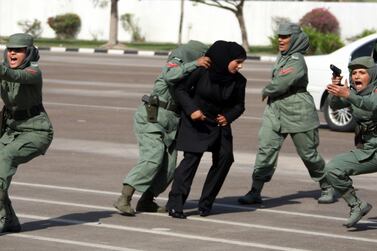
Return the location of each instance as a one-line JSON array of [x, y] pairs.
[[339, 120]]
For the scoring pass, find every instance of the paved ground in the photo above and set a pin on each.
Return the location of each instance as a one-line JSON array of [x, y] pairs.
[[64, 199]]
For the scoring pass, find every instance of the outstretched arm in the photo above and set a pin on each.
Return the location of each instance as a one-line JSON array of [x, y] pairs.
[[29, 75], [175, 70]]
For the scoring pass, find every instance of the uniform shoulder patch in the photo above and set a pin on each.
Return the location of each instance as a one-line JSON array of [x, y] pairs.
[[171, 65], [286, 71], [31, 70], [294, 57], [34, 64]]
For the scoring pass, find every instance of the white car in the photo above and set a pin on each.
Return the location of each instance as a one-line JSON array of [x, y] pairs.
[[319, 74]]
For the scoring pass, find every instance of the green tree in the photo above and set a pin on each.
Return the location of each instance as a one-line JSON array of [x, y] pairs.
[[130, 24], [236, 7]]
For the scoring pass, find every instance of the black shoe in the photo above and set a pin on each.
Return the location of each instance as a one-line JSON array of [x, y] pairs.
[[204, 212], [176, 214], [251, 197]]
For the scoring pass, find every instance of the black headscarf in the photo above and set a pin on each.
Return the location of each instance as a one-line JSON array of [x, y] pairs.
[[221, 54]]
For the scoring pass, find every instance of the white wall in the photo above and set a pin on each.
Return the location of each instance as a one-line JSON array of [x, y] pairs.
[[159, 19]]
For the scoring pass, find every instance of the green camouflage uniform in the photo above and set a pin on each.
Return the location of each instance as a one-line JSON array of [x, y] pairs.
[[364, 109], [157, 155], [363, 158], [27, 128], [290, 110]]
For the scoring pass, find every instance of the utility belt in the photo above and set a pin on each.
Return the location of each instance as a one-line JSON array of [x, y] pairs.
[[152, 103], [24, 114], [291, 91], [361, 130]]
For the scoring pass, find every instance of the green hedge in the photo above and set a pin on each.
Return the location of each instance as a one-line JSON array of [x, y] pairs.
[[65, 26], [320, 43]]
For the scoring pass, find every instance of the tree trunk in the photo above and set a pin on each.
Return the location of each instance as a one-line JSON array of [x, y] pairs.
[[113, 31], [181, 22], [113, 35], [237, 8], [241, 21]]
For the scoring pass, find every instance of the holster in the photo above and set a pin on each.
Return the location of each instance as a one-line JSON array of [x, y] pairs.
[[359, 137], [152, 108]]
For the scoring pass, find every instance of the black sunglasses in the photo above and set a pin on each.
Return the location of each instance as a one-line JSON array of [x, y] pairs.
[[16, 49], [284, 36]]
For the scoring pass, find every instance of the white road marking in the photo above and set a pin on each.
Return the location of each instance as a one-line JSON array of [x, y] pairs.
[[261, 210], [97, 83], [125, 61], [114, 93], [86, 50], [131, 151], [193, 218], [164, 233], [146, 53], [64, 188], [57, 49], [98, 107], [93, 93], [243, 160], [70, 242], [115, 52], [124, 84]]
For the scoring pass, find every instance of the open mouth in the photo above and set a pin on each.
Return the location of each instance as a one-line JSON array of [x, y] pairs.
[[358, 84], [13, 60]]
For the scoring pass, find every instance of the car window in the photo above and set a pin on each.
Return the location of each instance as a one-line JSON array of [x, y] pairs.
[[368, 49]]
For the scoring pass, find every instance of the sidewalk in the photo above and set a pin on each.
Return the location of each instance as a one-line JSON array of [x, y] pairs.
[[132, 52]]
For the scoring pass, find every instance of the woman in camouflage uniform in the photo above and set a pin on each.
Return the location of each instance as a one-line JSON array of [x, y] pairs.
[[155, 125], [290, 111], [26, 128], [362, 99]]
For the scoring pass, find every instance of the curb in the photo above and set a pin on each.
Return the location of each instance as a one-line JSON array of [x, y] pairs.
[[130, 52]]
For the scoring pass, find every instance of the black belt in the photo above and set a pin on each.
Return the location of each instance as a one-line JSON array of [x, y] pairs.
[[366, 129], [290, 92], [25, 114], [160, 103]]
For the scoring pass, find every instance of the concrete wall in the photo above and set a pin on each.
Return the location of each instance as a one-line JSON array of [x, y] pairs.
[[158, 19]]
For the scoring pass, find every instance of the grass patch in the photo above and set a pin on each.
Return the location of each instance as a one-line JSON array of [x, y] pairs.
[[262, 50], [148, 46]]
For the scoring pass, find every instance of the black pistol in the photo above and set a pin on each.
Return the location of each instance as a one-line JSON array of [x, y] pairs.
[[335, 70]]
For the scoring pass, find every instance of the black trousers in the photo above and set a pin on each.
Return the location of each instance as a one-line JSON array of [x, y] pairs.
[[184, 175]]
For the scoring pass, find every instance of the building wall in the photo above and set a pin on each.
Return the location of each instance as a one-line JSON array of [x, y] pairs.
[[159, 19]]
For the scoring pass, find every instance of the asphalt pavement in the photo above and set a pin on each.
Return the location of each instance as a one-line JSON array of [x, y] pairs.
[[64, 199]]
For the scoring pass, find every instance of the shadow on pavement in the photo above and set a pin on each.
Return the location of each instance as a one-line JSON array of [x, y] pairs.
[[364, 226], [67, 220], [226, 205]]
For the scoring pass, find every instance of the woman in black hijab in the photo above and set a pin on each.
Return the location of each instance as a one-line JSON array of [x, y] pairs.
[[211, 99]]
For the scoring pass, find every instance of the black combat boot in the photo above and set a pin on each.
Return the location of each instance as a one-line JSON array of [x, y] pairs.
[[358, 208], [12, 224], [253, 196], [146, 203], [123, 204]]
